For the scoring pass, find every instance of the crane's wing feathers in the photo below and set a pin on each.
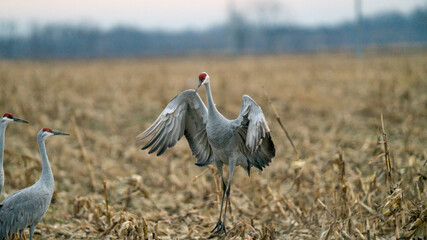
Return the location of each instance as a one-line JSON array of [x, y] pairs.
[[186, 115], [22, 209], [254, 134]]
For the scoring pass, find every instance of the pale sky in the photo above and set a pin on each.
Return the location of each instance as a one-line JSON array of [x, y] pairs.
[[185, 14]]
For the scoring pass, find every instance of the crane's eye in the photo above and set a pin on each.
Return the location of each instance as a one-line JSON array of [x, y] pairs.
[[47, 130], [8, 115], [202, 77]]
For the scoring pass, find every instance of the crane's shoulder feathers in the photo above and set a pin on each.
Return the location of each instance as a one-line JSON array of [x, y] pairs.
[[188, 96], [24, 196]]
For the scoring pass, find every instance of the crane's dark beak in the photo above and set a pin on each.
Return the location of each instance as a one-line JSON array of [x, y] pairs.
[[198, 86], [15, 119], [59, 133]]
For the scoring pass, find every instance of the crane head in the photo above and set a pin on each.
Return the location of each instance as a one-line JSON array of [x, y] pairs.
[[8, 117], [203, 79], [47, 132]]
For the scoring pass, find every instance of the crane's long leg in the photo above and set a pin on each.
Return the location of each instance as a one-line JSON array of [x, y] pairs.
[[32, 228], [230, 177], [219, 224]]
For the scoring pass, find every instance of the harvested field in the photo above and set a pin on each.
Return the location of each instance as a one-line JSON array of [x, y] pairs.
[[338, 188]]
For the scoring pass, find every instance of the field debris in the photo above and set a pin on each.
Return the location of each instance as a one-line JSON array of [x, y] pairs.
[[358, 168]]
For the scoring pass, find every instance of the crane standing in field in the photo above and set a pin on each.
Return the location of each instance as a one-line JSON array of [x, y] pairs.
[[27, 207], [4, 121], [245, 141]]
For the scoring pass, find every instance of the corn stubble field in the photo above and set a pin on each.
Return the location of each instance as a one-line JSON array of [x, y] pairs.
[[338, 188]]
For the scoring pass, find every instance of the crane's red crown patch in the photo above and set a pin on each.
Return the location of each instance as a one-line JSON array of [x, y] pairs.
[[8, 115], [47, 130], [202, 76]]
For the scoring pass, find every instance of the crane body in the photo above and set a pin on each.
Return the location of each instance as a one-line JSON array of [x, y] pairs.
[[245, 141], [27, 207]]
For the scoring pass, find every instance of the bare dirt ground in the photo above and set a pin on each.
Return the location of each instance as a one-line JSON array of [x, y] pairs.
[[338, 188]]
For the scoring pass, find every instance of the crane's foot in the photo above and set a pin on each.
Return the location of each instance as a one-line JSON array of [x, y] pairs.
[[219, 229]]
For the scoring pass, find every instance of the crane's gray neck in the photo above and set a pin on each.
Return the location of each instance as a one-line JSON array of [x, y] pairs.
[[212, 111], [2, 131], [47, 176]]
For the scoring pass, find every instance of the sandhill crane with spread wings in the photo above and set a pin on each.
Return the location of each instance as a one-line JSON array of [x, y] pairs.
[[245, 141]]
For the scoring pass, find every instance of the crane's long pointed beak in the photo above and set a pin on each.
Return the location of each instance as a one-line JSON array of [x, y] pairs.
[[15, 119], [59, 133], [198, 86]]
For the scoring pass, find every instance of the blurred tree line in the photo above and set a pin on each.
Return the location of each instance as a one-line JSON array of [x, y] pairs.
[[238, 36]]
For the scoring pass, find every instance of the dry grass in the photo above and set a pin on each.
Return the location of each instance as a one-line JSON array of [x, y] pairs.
[[338, 187]]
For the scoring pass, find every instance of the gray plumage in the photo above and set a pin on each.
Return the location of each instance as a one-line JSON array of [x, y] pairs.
[[4, 121], [184, 115], [245, 141], [27, 207]]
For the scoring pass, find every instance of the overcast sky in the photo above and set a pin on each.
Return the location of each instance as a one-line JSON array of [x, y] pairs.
[[185, 14]]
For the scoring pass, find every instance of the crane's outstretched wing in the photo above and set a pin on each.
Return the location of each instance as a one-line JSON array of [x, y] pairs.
[[186, 114], [254, 135]]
